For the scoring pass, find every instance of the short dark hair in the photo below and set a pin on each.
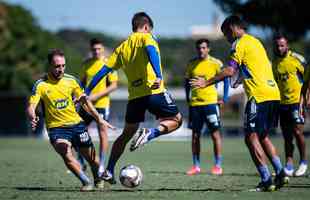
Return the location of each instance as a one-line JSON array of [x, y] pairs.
[[233, 20], [202, 40], [94, 41], [54, 52], [280, 35], [140, 19]]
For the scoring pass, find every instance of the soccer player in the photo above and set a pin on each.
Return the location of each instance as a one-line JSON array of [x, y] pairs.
[[249, 60], [99, 96], [65, 127], [204, 106], [139, 58], [288, 68]]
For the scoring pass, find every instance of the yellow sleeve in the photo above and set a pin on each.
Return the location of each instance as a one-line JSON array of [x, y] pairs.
[[114, 60], [77, 89], [36, 94], [219, 66], [149, 39], [237, 52], [112, 77]]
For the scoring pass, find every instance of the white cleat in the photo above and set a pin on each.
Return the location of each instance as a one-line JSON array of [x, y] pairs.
[[140, 138], [301, 170], [289, 172]]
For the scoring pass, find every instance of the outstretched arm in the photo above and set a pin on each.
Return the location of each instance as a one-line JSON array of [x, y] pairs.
[[155, 62], [200, 82], [89, 107], [107, 91], [100, 74]]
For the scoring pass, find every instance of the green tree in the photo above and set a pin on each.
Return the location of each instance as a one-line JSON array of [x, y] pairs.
[[279, 15], [24, 46]]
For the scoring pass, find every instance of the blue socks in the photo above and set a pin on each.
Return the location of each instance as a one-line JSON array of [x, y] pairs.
[[289, 166], [218, 160], [83, 178], [277, 165], [305, 162], [154, 133], [196, 160], [264, 173]]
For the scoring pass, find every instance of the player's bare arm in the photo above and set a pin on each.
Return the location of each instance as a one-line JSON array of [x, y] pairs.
[[200, 82], [34, 119], [95, 97], [89, 107]]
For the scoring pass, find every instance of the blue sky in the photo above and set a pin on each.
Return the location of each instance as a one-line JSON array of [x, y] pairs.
[[171, 17]]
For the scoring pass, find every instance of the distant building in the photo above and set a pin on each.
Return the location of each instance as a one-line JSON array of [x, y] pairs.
[[211, 31]]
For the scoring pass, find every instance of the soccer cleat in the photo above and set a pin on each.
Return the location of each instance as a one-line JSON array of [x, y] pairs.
[[265, 186], [216, 170], [281, 180], [87, 188], [289, 172], [301, 170], [99, 183], [193, 171], [108, 177], [140, 138]]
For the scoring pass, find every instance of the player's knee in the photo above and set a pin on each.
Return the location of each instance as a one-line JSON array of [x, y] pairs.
[[65, 152]]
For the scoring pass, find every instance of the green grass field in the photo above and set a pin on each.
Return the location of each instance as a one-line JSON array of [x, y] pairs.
[[30, 169]]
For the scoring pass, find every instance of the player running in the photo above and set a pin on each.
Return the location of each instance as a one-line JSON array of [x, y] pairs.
[[204, 106], [65, 127], [99, 96], [288, 68], [249, 60], [139, 58]]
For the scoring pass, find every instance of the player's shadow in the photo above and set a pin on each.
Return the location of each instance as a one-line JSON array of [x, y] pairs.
[[294, 185], [68, 189], [203, 173]]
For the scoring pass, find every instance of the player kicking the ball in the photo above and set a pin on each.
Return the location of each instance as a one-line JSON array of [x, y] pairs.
[[139, 58]]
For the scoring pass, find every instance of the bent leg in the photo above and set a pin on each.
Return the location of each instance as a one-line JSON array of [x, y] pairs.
[[63, 148]]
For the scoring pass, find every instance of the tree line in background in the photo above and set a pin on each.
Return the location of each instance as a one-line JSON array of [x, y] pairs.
[[24, 44]]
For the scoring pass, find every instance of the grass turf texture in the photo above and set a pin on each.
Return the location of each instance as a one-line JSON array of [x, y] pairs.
[[30, 169]]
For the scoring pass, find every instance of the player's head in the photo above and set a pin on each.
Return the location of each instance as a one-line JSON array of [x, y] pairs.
[[96, 48], [142, 22], [233, 27], [57, 63], [203, 48], [280, 45]]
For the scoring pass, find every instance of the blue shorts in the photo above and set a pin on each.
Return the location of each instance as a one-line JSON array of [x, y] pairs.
[[87, 118], [77, 135], [289, 115], [208, 114], [161, 105], [261, 117]]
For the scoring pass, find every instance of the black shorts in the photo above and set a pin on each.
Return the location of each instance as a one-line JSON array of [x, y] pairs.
[[76, 134], [261, 117], [289, 115], [161, 105], [208, 114]]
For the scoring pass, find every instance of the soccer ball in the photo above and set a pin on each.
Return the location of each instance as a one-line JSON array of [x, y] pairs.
[[130, 176]]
